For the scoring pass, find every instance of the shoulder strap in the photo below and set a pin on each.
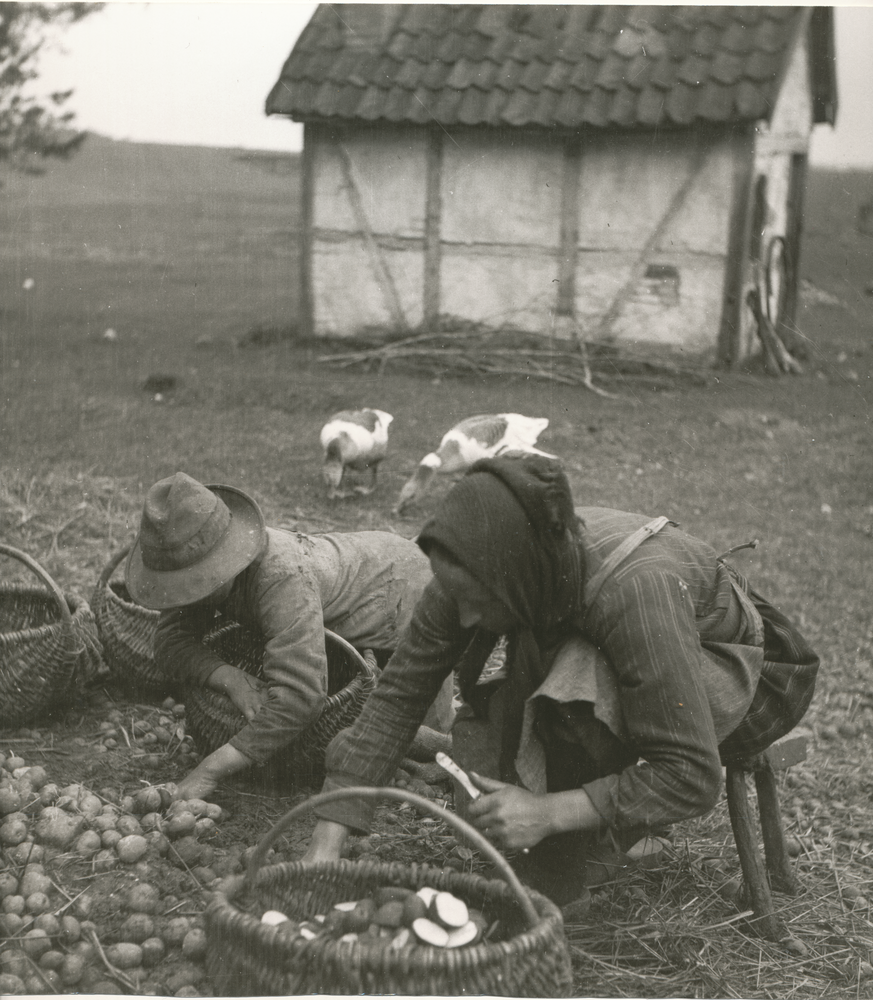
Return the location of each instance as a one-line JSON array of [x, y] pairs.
[[620, 553]]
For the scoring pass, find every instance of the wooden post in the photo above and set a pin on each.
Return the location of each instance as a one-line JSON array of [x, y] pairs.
[[569, 237], [311, 136], [754, 875], [431, 294], [778, 864], [739, 231], [381, 271]]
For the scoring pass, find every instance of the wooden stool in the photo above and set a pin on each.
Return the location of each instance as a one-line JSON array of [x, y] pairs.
[[791, 749]]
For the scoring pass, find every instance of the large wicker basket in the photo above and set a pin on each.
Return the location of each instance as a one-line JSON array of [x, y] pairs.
[[48, 645], [245, 957], [212, 719], [127, 632]]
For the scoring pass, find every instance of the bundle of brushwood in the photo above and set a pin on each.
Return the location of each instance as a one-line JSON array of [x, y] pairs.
[[476, 350]]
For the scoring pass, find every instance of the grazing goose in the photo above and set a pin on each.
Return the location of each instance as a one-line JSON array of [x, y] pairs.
[[353, 439], [483, 436]]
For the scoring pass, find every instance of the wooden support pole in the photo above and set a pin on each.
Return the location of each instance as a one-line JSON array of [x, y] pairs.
[[775, 851], [569, 236], [432, 299], [761, 901]]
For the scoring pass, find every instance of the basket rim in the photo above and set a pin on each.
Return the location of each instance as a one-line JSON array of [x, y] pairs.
[[43, 574], [548, 916]]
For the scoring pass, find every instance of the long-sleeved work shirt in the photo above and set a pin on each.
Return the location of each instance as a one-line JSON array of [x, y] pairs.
[[361, 585], [684, 654]]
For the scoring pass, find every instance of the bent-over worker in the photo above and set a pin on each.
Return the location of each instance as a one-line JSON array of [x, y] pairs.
[[206, 549], [637, 662]]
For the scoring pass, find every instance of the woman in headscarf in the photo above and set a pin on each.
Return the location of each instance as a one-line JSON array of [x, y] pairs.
[[638, 662]]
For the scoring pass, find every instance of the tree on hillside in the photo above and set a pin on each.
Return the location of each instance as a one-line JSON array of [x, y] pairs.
[[33, 127]]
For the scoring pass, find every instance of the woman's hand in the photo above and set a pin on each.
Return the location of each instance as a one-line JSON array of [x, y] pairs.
[[202, 781], [512, 817], [248, 693]]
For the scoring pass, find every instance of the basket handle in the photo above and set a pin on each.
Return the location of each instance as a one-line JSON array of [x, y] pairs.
[[109, 569], [9, 550], [363, 664], [425, 805]]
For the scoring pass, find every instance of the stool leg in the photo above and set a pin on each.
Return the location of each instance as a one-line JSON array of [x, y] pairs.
[[766, 921], [775, 851]]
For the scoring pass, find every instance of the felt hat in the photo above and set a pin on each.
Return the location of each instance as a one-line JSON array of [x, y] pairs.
[[192, 540]]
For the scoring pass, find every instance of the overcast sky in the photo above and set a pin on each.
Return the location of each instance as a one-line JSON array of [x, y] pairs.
[[199, 73]]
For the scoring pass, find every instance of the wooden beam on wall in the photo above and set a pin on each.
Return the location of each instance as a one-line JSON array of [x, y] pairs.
[[739, 235], [431, 294], [569, 237], [307, 194]]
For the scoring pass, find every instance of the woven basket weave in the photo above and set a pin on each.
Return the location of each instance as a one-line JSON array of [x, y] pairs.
[[48, 645], [212, 719], [245, 957], [127, 632]]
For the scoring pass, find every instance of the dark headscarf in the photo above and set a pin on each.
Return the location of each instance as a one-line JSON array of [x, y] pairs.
[[510, 523]]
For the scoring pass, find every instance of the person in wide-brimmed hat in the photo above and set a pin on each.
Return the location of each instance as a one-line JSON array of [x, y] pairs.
[[202, 548], [637, 662]]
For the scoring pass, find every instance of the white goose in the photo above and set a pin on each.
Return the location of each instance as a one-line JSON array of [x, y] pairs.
[[353, 439], [483, 436]]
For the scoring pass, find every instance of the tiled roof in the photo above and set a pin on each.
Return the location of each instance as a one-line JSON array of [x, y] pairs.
[[526, 65]]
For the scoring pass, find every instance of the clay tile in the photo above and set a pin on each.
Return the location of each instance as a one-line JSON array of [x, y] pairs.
[[533, 76], [410, 73], [450, 47], [508, 75], [568, 109], [704, 41], [500, 47], [421, 105], [558, 75], [526, 47], [612, 18], [770, 35], [715, 102], [395, 104], [760, 66], [751, 101], [462, 74], [623, 109], [611, 73], [726, 67], [736, 39], [445, 109], [371, 104], [495, 102], [650, 106], [471, 110], [400, 44], [476, 45], [544, 111], [663, 73], [584, 74], [328, 98], [681, 104], [492, 20], [638, 72], [519, 108], [694, 71], [436, 74], [596, 107], [385, 70], [598, 44]]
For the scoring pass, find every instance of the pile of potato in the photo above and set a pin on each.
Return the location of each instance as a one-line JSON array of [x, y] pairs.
[[394, 917], [56, 841]]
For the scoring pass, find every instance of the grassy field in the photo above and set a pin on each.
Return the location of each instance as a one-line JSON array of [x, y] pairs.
[[184, 252]]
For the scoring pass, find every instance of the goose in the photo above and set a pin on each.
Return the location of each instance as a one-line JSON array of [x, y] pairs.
[[353, 439], [482, 436]]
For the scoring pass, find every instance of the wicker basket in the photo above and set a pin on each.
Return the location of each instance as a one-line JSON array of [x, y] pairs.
[[212, 719], [245, 957], [127, 631], [48, 645]]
